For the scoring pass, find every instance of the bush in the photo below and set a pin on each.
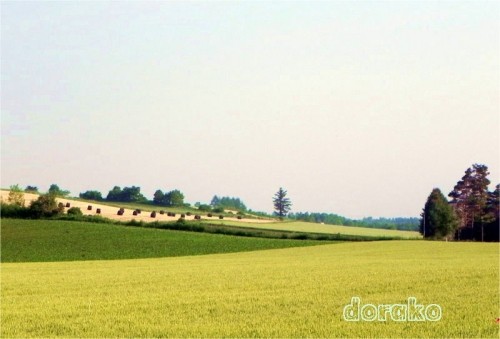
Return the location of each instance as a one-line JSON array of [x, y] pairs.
[[205, 208], [75, 211], [14, 211], [45, 206], [16, 196], [218, 210]]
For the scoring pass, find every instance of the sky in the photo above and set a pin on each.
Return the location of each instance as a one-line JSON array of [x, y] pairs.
[[355, 108]]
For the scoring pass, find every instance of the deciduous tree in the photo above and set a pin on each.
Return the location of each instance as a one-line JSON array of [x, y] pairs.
[[16, 196]]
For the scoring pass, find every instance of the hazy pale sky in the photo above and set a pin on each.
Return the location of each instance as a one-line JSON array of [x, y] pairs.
[[356, 108]]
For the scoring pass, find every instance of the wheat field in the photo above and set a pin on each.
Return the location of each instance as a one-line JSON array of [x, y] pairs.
[[297, 292]]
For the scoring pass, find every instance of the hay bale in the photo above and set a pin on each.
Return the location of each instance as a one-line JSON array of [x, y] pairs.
[[98, 211], [153, 214], [209, 215], [188, 214], [221, 217], [162, 212], [183, 215], [120, 212], [134, 213], [239, 217], [60, 205], [68, 204], [197, 217], [89, 208]]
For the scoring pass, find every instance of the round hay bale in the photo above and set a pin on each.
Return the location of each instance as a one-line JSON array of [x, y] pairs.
[[89, 208], [98, 211]]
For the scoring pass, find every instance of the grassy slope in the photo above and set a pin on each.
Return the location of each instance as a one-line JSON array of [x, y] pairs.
[[300, 226], [296, 292], [48, 240]]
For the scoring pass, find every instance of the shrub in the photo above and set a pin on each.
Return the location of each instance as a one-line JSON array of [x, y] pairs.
[[14, 211], [205, 208], [45, 206], [75, 211], [218, 210], [16, 195]]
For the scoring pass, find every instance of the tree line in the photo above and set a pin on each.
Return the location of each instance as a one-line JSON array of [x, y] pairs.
[[471, 214]]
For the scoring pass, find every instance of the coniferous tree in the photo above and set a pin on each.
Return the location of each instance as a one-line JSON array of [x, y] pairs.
[[282, 204], [438, 217], [470, 195]]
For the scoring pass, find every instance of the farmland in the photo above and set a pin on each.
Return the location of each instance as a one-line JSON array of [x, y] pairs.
[[299, 226], [52, 240], [293, 292]]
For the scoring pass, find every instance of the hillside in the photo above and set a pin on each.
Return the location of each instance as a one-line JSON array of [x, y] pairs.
[[299, 226], [52, 240], [110, 209]]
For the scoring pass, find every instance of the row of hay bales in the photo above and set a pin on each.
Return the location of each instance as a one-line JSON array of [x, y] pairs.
[[89, 207], [136, 212]]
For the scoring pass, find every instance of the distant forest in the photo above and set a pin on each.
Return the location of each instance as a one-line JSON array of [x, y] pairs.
[[404, 224]]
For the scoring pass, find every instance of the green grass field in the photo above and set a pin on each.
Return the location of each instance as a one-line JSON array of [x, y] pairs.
[[50, 240], [294, 292], [300, 226]]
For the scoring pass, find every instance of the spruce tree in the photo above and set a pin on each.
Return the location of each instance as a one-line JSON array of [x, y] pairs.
[[438, 218], [282, 204]]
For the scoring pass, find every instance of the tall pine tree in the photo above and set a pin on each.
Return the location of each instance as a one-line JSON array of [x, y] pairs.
[[470, 195]]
